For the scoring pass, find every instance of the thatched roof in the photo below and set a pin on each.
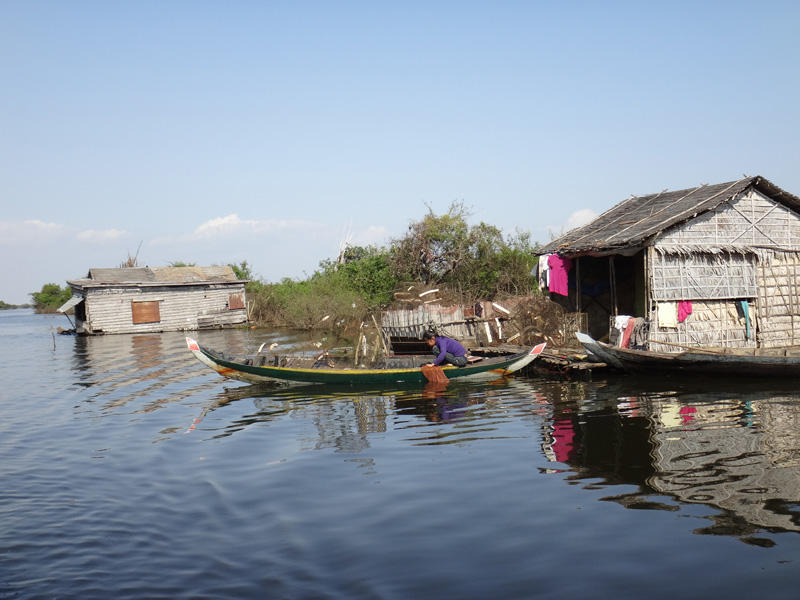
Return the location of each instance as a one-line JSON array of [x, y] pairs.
[[630, 225]]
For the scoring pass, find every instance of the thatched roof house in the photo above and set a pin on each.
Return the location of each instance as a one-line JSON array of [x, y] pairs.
[[145, 299], [729, 253]]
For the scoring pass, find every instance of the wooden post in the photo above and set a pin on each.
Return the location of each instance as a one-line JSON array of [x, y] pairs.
[[612, 275]]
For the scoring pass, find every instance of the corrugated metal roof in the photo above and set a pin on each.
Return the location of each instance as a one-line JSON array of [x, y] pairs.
[[629, 225], [158, 275], [193, 274], [124, 274], [162, 274], [74, 301]]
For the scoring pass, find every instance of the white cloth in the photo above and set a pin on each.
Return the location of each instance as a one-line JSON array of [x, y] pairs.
[[667, 314], [544, 272], [621, 322]]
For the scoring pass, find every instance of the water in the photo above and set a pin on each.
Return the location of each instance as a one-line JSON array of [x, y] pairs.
[[130, 470]]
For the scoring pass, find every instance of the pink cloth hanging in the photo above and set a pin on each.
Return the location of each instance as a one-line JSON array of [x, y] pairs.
[[559, 269], [684, 310]]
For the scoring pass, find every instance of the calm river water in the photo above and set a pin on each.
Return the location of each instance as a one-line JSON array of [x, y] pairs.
[[130, 470]]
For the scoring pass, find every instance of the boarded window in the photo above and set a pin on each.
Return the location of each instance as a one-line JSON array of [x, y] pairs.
[[235, 301], [145, 312]]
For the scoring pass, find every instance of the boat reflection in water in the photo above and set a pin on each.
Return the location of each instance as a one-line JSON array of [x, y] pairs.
[[738, 452], [681, 443]]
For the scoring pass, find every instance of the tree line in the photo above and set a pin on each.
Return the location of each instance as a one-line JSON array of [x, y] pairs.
[[472, 262]]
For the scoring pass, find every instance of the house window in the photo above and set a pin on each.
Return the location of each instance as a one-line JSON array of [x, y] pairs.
[[235, 301], [145, 312]]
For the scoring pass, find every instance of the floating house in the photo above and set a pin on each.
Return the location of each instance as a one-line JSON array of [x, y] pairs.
[[715, 265], [144, 299]]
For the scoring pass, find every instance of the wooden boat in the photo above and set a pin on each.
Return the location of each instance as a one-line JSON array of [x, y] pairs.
[[747, 362], [259, 368]]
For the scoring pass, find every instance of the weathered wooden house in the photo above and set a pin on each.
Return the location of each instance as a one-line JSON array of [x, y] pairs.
[[144, 299], [715, 265]]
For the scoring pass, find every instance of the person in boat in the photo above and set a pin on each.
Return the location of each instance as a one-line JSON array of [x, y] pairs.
[[445, 349]]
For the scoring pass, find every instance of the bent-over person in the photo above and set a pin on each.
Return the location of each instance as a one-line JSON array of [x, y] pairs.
[[446, 350]]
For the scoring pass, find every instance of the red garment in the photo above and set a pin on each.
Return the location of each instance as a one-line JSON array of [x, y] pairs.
[[684, 310], [559, 269], [687, 414], [626, 335]]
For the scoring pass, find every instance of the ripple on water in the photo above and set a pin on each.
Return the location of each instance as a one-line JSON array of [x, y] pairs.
[[134, 471]]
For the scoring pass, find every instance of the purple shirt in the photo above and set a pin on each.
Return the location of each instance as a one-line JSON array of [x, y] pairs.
[[446, 345]]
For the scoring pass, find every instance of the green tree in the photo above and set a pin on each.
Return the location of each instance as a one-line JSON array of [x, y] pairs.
[[242, 270], [515, 264], [50, 297], [365, 271], [476, 261], [434, 247], [476, 274]]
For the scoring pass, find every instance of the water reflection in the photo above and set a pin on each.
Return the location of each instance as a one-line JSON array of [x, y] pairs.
[[343, 416], [120, 369], [735, 450], [678, 443]]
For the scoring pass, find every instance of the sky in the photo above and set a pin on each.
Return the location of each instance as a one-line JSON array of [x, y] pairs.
[[271, 132]]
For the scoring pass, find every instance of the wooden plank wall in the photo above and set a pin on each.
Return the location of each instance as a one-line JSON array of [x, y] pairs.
[[414, 322], [182, 308]]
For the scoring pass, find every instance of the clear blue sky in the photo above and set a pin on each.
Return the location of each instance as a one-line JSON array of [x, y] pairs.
[[216, 132]]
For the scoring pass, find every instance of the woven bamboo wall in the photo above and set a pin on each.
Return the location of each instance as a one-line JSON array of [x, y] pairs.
[[747, 249], [702, 276], [779, 299], [749, 221], [717, 323], [774, 311]]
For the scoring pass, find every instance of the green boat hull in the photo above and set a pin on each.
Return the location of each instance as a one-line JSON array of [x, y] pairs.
[[257, 374]]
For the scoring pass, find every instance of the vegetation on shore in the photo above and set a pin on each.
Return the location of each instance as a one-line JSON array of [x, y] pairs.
[[50, 297], [470, 262], [6, 306]]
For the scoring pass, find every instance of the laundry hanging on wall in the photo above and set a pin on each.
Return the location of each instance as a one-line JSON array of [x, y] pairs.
[[667, 315], [559, 274]]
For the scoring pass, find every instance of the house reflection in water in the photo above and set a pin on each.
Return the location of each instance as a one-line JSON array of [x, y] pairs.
[[739, 455]]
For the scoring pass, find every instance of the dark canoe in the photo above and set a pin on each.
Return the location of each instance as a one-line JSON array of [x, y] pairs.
[[255, 369], [747, 362]]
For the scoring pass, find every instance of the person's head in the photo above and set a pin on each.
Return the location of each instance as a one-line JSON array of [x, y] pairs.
[[429, 338]]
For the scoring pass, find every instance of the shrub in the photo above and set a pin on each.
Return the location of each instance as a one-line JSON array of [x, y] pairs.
[[475, 261], [50, 297]]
